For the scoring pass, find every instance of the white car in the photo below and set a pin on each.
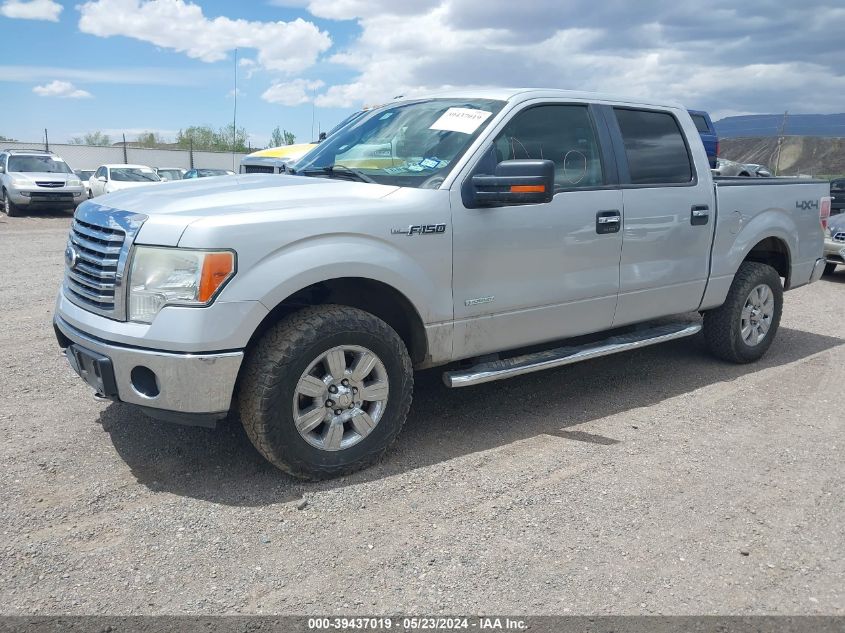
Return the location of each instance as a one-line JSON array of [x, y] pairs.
[[109, 178]]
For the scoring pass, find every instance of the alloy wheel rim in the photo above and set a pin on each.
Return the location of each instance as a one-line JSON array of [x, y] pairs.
[[340, 398], [757, 314]]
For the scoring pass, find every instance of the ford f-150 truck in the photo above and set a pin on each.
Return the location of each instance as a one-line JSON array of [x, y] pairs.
[[465, 230]]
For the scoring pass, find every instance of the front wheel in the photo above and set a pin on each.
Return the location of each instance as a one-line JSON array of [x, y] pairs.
[[742, 329], [9, 207], [326, 391]]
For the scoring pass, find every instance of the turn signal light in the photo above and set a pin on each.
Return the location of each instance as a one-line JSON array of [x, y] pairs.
[[528, 188], [216, 268]]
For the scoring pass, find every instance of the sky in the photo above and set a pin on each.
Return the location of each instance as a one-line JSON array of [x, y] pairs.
[[128, 66]]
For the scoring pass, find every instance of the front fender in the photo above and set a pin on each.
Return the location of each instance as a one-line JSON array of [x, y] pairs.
[[300, 264]]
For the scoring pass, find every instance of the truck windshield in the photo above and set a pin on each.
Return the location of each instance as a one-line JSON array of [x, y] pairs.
[[38, 164], [408, 145]]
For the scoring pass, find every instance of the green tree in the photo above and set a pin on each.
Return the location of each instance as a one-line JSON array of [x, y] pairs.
[[92, 138], [149, 139], [201, 136], [204, 137], [290, 138], [276, 138], [13, 140]]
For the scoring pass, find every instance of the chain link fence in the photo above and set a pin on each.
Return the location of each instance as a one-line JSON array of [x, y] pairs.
[[90, 157]]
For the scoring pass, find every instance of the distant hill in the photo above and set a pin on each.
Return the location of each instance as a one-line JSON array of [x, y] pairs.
[[827, 125], [809, 155]]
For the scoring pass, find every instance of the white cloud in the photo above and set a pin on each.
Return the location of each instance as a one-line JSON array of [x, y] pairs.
[[292, 93], [31, 10], [63, 89], [753, 60], [182, 26], [136, 75]]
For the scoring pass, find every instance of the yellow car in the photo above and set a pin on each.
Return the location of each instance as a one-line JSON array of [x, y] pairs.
[[274, 159]]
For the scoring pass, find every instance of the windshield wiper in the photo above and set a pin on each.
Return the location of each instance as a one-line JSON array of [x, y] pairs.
[[334, 171]]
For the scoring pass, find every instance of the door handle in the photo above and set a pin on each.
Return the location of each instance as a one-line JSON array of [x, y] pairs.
[[608, 221], [699, 215]]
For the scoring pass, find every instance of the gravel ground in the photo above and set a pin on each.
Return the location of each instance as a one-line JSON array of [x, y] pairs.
[[662, 481]]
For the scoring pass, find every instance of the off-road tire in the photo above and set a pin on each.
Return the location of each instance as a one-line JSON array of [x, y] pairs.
[[829, 269], [9, 207], [274, 365], [722, 326]]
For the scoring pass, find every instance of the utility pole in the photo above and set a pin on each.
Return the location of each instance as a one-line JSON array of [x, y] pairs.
[[46, 140], [780, 141], [235, 114]]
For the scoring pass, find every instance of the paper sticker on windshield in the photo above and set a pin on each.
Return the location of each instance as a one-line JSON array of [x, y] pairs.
[[464, 120]]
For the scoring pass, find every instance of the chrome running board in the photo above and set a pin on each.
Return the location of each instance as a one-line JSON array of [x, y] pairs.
[[548, 359]]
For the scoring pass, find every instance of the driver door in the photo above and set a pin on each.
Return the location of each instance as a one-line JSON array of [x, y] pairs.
[[533, 273]]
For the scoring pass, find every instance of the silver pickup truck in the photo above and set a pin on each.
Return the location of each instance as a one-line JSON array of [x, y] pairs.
[[458, 230]]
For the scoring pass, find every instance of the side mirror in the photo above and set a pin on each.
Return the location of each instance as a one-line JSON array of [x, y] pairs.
[[101, 178], [2, 169], [522, 181]]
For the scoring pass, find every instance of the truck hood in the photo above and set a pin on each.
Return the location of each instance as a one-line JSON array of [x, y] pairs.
[[170, 207]]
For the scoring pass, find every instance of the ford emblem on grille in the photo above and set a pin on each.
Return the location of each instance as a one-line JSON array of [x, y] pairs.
[[71, 257]]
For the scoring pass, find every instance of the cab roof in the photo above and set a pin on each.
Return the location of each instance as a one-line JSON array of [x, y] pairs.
[[518, 95]]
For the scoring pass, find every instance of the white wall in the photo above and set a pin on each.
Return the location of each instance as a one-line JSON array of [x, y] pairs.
[[91, 157]]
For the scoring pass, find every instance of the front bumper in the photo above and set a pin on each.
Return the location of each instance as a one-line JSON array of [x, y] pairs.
[[185, 384], [834, 252], [47, 198]]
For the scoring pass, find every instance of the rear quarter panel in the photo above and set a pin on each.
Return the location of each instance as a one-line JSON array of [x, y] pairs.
[[751, 211]]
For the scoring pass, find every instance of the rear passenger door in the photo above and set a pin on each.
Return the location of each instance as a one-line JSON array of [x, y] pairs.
[[668, 215]]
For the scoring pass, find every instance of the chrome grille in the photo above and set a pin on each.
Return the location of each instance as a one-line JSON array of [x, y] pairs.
[[92, 267], [839, 237], [259, 169], [51, 184]]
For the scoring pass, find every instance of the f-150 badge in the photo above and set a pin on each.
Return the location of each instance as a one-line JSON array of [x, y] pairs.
[[420, 229]]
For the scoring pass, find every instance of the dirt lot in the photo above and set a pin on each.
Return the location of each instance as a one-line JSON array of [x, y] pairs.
[[655, 482]]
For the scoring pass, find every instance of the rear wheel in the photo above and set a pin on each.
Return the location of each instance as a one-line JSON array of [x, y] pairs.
[[829, 269], [326, 391], [743, 328], [9, 207]]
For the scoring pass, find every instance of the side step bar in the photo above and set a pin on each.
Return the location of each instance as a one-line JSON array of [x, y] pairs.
[[510, 367]]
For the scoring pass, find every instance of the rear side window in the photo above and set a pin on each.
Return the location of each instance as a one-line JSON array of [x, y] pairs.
[[655, 147], [700, 123]]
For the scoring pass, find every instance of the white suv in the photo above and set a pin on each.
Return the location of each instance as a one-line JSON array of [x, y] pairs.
[[32, 179]]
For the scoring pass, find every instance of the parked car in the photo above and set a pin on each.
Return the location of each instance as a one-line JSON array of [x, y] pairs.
[[837, 194], [170, 173], [496, 224], [707, 132], [34, 179], [275, 160], [760, 171], [834, 243], [207, 173], [85, 176], [111, 178], [729, 168]]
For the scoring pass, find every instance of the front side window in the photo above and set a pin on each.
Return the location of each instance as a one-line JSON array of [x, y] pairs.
[[412, 144], [38, 164], [563, 134], [655, 147]]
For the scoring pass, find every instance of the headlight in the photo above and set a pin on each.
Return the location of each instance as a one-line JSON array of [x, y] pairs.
[[175, 276], [74, 183], [21, 182]]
